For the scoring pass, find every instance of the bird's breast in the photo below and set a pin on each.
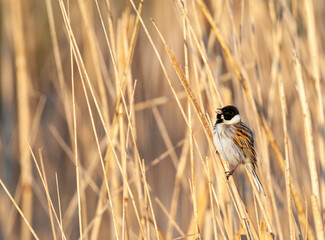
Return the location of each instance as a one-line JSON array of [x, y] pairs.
[[223, 141]]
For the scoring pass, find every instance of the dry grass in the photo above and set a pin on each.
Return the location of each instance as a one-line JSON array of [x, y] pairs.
[[107, 114]]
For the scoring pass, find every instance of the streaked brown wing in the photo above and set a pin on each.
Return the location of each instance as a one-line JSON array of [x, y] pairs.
[[244, 139]]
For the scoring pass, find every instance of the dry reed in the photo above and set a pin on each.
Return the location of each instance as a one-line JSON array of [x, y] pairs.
[[119, 97]]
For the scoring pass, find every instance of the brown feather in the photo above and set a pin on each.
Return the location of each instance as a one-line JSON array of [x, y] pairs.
[[243, 138]]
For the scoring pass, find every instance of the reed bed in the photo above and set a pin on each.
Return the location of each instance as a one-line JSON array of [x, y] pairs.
[[107, 110]]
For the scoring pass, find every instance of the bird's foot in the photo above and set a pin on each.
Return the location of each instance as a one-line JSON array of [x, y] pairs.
[[229, 173]]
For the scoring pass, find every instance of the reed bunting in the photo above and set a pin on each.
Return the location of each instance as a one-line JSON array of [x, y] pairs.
[[235, 142]]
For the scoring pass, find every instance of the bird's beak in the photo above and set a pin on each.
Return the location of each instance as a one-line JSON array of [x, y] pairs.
[[219, 110]]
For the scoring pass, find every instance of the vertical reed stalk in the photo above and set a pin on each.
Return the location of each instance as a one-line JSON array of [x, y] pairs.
[[23, 82], [108, 130], [310, 148], [314, 58], [287, 160]]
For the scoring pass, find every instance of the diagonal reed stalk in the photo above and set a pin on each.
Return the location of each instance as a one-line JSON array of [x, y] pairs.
[[249, 95], [207, 129], [124, 135], [29, 227]]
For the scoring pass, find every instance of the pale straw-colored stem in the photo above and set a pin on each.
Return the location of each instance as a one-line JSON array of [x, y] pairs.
[[314, 59], [243, 216], [287, 160], [309, 146], [81, 68], [22, 83], [29, 227]]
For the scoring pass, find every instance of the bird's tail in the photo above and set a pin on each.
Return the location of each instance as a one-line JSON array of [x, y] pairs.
[[255, 178]]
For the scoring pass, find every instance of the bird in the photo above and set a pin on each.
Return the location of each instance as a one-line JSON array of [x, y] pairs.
[[234, 140]]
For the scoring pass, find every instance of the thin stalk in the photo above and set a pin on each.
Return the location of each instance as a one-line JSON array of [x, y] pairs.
[[309, 146], [287, 160], [22, 82]]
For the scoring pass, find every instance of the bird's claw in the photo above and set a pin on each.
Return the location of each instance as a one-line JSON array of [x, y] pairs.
[[229, 173]]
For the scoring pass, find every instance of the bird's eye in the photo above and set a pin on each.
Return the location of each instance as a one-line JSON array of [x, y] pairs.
[[227, 116]]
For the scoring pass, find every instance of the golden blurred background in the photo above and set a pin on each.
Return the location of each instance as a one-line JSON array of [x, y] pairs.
[[107, 109]]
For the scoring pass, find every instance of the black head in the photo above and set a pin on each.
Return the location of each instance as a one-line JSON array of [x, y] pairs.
[[228, 112]]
